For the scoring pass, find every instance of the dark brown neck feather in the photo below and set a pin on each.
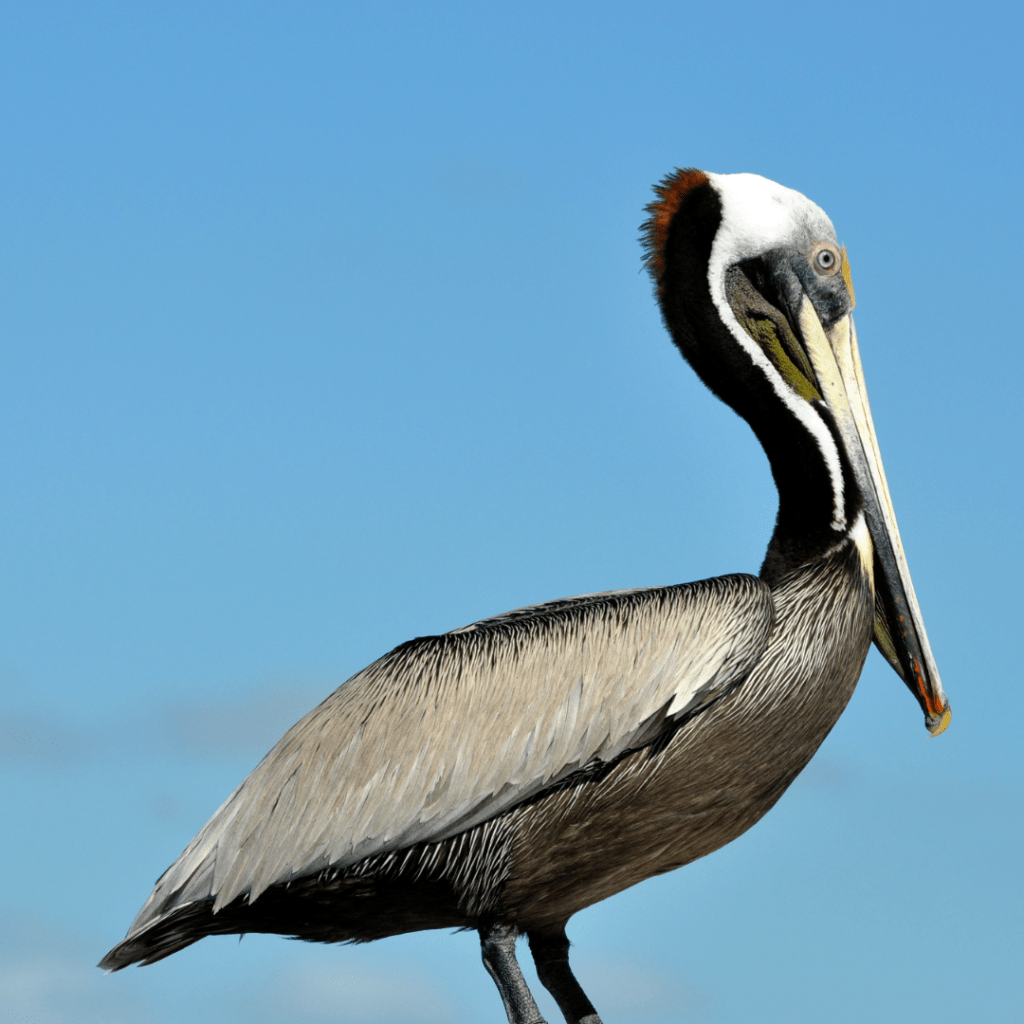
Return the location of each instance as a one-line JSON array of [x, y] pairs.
[[804, 527]]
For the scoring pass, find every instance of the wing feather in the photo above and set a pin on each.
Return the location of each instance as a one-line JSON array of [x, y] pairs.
[[447, 731]]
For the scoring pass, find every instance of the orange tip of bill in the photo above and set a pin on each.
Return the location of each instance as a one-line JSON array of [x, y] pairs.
[[943, 723]]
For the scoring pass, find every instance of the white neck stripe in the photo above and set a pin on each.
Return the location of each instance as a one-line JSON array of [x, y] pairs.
[[728, 249]]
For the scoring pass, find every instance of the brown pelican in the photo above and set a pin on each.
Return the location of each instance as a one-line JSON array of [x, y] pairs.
[[509, 773]]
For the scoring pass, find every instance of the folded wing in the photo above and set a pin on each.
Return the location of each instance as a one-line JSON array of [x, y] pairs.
[[445, 732]]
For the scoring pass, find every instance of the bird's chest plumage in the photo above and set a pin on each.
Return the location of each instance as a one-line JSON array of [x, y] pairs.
[[678, 800]]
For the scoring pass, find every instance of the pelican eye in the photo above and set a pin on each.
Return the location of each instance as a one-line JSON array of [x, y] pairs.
[[826, 260]]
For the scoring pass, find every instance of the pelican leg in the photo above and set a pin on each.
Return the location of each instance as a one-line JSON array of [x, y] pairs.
[[551, 955], [498, 948]]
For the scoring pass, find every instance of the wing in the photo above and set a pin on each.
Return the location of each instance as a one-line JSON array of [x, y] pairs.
[[448, 731]]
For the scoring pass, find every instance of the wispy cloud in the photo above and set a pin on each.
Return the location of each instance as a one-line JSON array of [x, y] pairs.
[[349, 995], [624, 990], [248, 723], [46, 978], [36, 739]]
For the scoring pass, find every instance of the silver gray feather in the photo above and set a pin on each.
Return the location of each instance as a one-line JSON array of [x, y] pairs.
[[446, 732]]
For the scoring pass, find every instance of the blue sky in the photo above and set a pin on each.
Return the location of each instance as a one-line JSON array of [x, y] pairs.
[[323, 328]]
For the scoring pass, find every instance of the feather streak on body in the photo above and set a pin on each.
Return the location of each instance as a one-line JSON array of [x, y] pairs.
[[239, 836]]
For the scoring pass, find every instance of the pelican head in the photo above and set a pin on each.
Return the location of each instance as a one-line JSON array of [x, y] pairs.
[[757, 294]]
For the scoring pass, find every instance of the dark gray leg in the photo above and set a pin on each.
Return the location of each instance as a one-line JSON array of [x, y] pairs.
[[550, 951], [498, 947]]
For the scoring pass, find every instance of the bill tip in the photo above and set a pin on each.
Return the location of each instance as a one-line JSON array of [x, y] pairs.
[[939, 723]]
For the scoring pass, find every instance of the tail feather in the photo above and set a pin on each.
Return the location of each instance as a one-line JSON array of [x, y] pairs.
[[164, 936]]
